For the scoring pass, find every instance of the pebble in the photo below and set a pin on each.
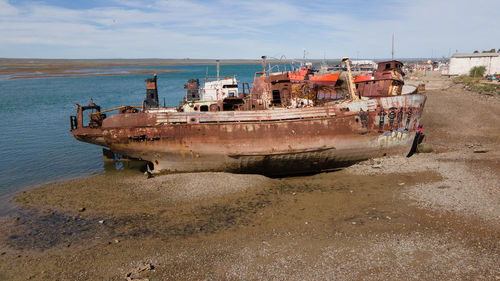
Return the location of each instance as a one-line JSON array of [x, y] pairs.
[[139, 269], [101, 221], [81, 209], [144, 267]]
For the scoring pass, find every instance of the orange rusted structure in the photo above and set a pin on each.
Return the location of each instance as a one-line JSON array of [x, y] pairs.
[[305, 74]]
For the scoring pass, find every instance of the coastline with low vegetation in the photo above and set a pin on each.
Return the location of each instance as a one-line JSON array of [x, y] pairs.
[[56, 68]]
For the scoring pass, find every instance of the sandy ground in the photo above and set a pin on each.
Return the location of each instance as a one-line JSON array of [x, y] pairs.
[[434, 216]]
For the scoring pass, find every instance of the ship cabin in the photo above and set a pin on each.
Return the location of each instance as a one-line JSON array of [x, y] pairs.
[[387, 80], [218, 95]]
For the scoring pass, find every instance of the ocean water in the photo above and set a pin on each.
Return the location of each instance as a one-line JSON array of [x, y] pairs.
[[36, 146]]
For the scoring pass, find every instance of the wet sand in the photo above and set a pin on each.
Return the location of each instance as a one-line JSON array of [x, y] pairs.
[[434, 216], [54, 68]]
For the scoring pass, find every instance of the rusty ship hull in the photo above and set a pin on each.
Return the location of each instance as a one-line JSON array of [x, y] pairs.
[[273, 142], [281, 127]]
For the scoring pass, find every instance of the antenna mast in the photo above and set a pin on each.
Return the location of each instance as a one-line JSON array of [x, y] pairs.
[[393, 46]]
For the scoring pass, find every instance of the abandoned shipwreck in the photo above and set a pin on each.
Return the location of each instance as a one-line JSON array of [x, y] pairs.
[[288, 122]]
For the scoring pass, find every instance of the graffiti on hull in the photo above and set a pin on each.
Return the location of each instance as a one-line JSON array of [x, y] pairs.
[[394, 138]]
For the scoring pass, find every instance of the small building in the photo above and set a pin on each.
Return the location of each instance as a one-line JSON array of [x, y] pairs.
[[363, 65], [462, 63]]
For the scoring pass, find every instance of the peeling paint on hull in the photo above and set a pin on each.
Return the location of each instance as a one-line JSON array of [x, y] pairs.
[[272, 142]]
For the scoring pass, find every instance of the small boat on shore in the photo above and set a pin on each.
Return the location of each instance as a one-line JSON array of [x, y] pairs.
[[284, 125]]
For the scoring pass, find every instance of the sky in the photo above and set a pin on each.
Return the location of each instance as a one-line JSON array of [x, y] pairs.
[[233, 29]]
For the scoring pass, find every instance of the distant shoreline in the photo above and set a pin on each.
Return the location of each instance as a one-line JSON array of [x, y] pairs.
[[27, 73], [12, 69], [151, 61]]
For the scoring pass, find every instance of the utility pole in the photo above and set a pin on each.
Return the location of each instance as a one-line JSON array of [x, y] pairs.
[[218, 68], [357, 60]]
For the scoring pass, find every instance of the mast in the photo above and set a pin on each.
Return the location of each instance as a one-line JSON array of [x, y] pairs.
[[393, 46]]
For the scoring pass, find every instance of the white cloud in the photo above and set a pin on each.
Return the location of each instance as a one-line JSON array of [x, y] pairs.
[[6, 9], [247, 29]]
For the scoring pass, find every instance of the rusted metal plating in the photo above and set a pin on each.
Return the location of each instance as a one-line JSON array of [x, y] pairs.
[[281, 127]]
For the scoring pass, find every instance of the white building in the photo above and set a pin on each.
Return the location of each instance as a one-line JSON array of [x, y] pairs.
[[461, 63], [364, 65]]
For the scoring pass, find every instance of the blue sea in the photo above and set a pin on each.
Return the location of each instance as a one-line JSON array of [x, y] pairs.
[[36, 146]]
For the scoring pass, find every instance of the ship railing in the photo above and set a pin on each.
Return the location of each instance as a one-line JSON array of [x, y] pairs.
[[235, 116], [76, 122]]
